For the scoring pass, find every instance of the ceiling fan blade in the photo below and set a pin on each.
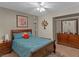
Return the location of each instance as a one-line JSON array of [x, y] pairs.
[[34, 4]]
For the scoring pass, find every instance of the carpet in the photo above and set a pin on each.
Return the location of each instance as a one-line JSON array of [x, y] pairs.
[[13, 54]]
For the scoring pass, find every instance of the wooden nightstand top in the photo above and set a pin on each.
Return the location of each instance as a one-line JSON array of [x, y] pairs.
[[1, 41]]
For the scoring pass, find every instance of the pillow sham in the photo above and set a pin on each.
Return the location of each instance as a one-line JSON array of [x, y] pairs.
[[30, 34], [17, 35]]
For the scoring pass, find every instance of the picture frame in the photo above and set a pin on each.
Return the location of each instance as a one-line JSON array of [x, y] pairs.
[[21, 21]]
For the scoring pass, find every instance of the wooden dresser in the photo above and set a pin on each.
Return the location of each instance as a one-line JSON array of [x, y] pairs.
[[5, 47], [71, 40]]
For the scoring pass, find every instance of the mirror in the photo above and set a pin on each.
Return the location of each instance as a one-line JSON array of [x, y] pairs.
[[69, 26]]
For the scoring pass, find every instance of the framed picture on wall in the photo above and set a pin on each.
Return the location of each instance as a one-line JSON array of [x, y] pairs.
[[22, 21]]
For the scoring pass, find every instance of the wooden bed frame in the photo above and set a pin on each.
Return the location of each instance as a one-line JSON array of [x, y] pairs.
[[44, 51]]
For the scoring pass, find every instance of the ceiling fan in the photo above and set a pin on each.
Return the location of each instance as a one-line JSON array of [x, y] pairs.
[[41, 6]]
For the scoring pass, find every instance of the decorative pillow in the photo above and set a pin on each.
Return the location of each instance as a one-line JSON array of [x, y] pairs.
[[30, 34], [17, 35], [25, 35]]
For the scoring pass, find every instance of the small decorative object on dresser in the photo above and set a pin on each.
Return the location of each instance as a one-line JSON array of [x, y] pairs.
[[5, 47]]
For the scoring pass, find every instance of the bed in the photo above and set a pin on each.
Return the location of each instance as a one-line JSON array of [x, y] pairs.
[[34, 46]]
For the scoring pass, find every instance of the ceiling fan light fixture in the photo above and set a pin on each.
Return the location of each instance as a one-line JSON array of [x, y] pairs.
[[38, 9], [41, 9]]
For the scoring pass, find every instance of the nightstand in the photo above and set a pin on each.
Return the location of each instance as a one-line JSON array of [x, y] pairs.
[[5, 47]]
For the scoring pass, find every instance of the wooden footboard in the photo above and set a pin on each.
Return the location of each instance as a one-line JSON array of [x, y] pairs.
[[46, 50]]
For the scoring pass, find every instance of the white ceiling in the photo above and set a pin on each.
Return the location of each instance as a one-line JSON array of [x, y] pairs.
[[30, 7]]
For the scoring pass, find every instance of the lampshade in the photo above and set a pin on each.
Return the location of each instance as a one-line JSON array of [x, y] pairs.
[[6, 37]]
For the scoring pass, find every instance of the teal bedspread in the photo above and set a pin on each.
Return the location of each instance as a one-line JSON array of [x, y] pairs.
[[24, 47]]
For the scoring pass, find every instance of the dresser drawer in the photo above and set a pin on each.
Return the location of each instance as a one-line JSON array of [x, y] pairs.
[[2, 44], [5, 52], [5, 47]]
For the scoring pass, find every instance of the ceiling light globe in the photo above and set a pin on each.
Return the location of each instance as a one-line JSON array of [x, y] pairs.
[[38, 9], [42, 9]]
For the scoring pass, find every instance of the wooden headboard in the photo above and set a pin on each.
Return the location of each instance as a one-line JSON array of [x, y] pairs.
[[19, 31]]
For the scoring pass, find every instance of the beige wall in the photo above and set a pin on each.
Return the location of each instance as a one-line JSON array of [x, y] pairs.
[[8, 21], [48, 32]]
